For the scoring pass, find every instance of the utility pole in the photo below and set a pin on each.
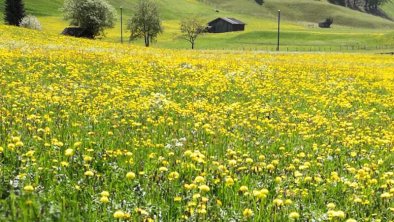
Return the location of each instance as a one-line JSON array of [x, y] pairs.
[[277, 46], [121, 24]]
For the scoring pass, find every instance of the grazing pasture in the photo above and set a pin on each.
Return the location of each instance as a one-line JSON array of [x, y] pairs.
[[351, 31]]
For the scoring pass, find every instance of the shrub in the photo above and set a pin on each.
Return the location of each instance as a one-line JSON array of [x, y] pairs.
[[30, 22], [260, 2]]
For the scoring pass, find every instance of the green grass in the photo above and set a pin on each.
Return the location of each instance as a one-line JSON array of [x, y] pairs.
[[299, 24], [305, 11], [389, 9], [90, 128]]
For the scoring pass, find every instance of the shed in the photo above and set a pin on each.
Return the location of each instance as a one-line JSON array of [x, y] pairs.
[[225, 25]]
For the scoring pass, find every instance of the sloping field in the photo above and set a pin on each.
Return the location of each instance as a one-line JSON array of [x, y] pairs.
[[302, 11], [389, 9], [294, 10], [351, 29], [93, 131]]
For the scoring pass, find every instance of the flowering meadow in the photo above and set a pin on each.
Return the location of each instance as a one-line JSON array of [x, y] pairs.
[[93, 131]]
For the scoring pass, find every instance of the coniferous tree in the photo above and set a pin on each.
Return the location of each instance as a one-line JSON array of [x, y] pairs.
[[14, 12]]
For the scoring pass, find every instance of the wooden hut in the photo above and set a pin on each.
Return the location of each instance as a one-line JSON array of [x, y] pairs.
[[225, 25]]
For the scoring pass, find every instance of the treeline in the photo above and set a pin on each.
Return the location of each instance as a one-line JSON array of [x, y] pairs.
[[366, 4]]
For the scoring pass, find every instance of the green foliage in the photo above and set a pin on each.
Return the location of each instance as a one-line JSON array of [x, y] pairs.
[[260, 2], [191, 28], [146, 22], [367, 4], [14, 12], [374, 4], [93, 15]]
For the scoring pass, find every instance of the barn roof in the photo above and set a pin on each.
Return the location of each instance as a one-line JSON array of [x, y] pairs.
[[229, 20]]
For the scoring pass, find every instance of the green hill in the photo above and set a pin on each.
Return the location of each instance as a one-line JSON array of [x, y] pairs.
[[305, 11], [293, 10], [389, 9], [299, 25]]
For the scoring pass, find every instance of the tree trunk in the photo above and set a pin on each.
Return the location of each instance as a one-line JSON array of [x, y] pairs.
[[147, 40], [192, 45]]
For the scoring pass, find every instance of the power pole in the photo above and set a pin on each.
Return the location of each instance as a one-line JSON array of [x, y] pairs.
[[121, 24], [277, 46]]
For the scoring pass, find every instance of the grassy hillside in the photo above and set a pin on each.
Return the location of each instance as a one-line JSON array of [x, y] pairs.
[[389, 9], [309, 11], [299, 31]]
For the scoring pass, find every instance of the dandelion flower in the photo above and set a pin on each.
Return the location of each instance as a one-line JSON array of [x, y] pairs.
[[204, 188], [119, 214], [177, 199], [89, 173], [247, 212], [385, 195], [19, 144], [243, 189], [339, 214], [104, 194], [173, 176], [69, 152], [229, 181], [28, 188], [199, 179], [130, 175], [331, 206], [278, 202], [163, 169], [104, 199], [294, 215]]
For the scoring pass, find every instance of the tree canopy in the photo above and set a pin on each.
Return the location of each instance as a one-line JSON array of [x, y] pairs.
[[191, 28], [145, 23], [14, 12], [93, 15]]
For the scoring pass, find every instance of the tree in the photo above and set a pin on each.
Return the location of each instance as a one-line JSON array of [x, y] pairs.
[[146, 22], [260, 2], [93, 15], [374, 4], [14, 12], [191, 29]]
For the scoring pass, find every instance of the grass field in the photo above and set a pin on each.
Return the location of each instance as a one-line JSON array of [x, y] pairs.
[[352, 30], [97, 131], [389, 9]]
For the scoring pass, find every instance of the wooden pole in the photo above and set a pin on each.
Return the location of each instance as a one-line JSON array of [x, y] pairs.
[[278, 44], [121, 24]]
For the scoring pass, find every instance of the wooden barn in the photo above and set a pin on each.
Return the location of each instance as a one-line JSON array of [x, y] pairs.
[[225, 25]]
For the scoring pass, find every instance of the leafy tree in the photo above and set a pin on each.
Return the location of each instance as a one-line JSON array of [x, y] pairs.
[[191, 29], [374, 4], [146, 22], [30, 22], [260, 2], [14, 12], [93, 15]]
